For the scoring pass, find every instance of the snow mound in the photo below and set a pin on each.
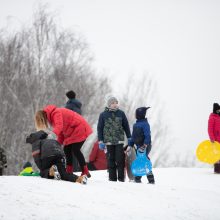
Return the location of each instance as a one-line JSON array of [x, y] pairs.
[[179, 193]]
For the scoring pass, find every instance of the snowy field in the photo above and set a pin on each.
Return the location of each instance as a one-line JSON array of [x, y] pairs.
[[179, 193]]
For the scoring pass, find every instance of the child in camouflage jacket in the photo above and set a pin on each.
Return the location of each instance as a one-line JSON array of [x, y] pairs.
[[112, 127]]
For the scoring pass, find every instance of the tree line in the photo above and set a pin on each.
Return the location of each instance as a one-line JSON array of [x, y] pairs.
[[38, 64]]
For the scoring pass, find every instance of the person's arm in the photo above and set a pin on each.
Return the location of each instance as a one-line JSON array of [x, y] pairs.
[[147, 134], [131, 140], [125, 125], [100, 127]]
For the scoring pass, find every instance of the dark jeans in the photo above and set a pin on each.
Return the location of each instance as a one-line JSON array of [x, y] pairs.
[[1, 171], [75, 150], [45, 164], [116, 162]]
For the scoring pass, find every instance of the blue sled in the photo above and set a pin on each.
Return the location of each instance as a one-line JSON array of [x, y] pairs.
[[141, 166]]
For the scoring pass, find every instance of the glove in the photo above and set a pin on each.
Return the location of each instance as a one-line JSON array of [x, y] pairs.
[[128, 150], [142, 148], [101, 146]]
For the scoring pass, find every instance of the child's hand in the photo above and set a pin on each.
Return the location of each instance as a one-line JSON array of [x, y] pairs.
[[142, 148], [128, 150]]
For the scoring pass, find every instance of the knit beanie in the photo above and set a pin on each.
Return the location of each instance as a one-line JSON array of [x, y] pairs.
[[141, 112], [216, 107], [111, 100], [71, 95], [27, 164]]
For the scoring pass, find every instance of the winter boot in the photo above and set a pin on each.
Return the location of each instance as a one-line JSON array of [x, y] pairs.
[[56, 173], [86, 171], [82, 179], [217, 167], [137, 179], [69, 168], [150, 178], [53, 172]]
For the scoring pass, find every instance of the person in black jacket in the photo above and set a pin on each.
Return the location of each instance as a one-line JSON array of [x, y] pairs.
[[73, 103], [112, 126], [46, 154]]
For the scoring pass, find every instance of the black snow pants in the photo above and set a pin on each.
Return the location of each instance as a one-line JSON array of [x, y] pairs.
[[45, 164], [116, 162]]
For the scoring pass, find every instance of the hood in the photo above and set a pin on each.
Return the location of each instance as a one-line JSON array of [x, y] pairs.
[[140, 113], [49, 109], [36, 136]]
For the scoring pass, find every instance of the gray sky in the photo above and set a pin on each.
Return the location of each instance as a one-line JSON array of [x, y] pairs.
[[176, 40]]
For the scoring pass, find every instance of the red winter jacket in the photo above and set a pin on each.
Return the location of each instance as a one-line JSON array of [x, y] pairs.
[[69, 126], [98, 158], [214, 127]]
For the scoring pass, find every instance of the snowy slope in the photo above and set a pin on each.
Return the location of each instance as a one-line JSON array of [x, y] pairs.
[[179, 193]]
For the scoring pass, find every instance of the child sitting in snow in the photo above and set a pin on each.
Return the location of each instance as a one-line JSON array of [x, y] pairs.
[[28, 170], [48, 155], [141, 137]]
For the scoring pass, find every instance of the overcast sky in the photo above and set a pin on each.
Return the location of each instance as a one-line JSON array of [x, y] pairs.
[[178, 41]]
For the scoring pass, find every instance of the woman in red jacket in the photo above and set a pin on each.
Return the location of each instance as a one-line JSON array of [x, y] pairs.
[[97, 158], [71, 130], [214, 130]]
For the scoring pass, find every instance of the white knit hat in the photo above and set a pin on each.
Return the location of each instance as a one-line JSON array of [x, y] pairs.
[[111, 100]]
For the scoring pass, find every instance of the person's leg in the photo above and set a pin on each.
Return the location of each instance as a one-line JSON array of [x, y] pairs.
[[120, 162], [91, 166], [45, 165], [150, 175], [1, 171], [76, 167], [217, 167], [60, 163], [69, 159], [76, 151], [111, 162]]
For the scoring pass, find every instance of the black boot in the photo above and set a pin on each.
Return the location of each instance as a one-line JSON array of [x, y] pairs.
[[150, 178], [137, 179], [217, 167]]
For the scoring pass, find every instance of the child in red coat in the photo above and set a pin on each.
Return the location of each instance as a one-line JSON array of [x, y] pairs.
[[97, 158]]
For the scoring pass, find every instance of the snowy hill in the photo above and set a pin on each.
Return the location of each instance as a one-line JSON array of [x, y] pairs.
[[179, 193]]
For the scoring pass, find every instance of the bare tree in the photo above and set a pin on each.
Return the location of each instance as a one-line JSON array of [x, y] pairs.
[[38, 64]]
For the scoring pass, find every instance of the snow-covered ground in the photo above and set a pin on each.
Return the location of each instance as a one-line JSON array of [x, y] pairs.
[[179, 193]]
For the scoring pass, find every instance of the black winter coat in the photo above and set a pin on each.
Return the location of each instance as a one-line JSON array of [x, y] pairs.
[[43, 148]]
